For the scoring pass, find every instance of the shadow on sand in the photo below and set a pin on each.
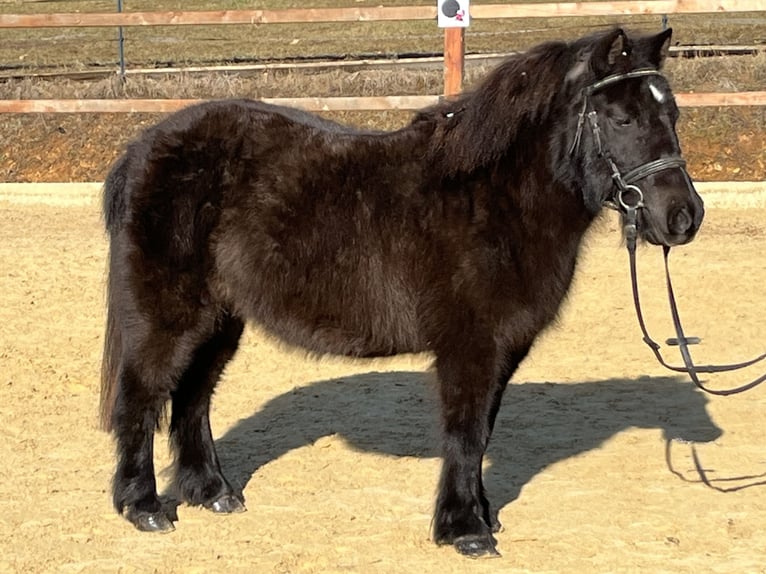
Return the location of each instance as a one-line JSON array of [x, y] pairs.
[[396, 413]]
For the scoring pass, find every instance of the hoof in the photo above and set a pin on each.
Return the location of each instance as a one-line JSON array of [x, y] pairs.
[[226, 504], [476, 546], [150, 521]]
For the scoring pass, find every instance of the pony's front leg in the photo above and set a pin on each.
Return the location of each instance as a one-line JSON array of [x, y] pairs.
[[510, 361], [467, 388]]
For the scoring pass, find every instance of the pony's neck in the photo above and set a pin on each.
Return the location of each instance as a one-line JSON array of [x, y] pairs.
[[512, 107]]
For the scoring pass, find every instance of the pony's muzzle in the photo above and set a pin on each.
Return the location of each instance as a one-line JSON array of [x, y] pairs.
[[684, 210], [686, 219], [681, 222]]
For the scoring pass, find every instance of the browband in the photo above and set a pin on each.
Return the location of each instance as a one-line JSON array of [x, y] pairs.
[[615, 78]]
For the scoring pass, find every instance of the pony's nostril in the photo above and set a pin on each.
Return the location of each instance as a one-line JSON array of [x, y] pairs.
[[681, 221]]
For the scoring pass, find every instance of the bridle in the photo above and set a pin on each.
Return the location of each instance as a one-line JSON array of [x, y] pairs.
[[625, 184], [627, 198]]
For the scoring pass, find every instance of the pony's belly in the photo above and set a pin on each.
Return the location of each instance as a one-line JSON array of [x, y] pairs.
[[333, 302], [326, 335]]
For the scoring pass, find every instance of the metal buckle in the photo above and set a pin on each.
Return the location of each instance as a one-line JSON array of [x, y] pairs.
[[624, 204]]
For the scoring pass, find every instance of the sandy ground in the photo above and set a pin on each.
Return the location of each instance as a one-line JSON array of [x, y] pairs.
[[592, 464]]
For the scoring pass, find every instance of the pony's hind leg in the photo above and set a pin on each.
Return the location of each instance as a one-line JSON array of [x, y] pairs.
[[155, 354], [199, 480], [138, 406]]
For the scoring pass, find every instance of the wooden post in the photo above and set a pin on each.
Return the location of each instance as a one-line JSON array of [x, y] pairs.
[[454, 49]]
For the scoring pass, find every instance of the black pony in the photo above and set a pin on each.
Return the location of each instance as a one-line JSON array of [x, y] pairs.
[[457, 234]]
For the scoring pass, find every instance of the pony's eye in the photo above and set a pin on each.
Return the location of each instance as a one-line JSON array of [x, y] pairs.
[[623, 121]]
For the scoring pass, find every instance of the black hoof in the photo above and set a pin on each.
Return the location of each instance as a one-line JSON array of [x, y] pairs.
[[226, 504], [476, 545], [150, 521]]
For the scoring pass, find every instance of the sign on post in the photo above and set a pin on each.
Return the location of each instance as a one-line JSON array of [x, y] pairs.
[[453, 13]]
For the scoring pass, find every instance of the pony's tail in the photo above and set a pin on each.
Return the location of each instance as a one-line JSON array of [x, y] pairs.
[[115, 201], [110, 363], [115, 210]]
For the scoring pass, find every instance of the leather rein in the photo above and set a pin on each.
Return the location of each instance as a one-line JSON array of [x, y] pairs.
[[627, 198]]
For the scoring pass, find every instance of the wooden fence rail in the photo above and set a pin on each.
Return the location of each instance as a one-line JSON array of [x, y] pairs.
[[373, 103]]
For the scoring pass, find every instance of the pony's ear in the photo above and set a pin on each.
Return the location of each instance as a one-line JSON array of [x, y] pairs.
[[607, 51], [659, 46]]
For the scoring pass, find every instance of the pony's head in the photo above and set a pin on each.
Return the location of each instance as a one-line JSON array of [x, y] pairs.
[[622, 136]]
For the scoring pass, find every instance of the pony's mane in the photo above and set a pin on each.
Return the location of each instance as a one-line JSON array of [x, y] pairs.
[[478, 126]]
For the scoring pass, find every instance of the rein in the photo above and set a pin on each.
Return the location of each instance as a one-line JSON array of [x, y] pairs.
[[681, 340], [628, 199]]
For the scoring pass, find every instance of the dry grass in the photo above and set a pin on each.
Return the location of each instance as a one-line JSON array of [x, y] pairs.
[[716, 74], [88, 48], [219, 85]]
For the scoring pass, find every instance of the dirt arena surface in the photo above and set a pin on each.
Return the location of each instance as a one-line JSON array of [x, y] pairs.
[[592, 463]]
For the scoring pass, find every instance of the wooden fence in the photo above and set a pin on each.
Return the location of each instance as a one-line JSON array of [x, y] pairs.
[[311, 15], [454, 47], [372, 103]]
